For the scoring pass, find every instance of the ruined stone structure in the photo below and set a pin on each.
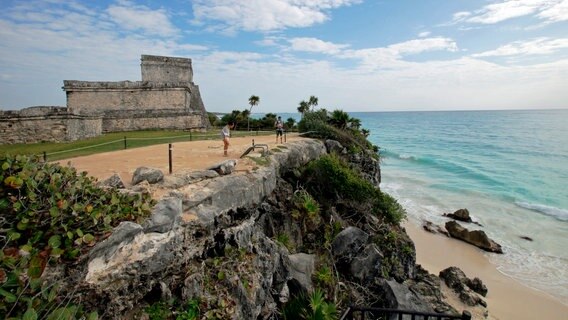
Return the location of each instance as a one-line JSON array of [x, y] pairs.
[[38, 124], [166, 98]]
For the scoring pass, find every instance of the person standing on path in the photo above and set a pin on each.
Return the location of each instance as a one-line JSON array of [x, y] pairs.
[[279, 128], [226, 134]]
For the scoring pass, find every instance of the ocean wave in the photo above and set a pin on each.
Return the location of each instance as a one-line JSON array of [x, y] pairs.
[[557, 213]]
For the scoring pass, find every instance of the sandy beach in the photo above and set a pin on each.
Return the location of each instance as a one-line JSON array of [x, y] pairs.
[[507, 298]]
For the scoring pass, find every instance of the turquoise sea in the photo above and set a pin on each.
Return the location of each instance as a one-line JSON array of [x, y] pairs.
[[508, 168]]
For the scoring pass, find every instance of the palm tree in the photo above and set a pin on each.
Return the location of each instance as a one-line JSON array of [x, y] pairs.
[[355, 123], [339, 119], [303, 108], [313, 102], [253, 101]]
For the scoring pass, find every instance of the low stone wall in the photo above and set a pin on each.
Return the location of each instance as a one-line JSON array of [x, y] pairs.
[[46, 124]]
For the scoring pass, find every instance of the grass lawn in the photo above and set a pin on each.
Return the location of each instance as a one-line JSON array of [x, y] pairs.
[[114, 141]]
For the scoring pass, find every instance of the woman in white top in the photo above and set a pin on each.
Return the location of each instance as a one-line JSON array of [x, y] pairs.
[[225, 134]]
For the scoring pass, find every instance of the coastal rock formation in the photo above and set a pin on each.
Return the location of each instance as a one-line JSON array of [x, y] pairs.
[[467, 289], [476, 237], [434, 228], [335, 146], [235, 243], [461, 215]]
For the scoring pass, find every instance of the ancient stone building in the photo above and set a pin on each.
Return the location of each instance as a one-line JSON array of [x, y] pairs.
[[166, 98]]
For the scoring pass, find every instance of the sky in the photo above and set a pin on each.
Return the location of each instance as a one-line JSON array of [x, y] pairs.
[[354, 55]]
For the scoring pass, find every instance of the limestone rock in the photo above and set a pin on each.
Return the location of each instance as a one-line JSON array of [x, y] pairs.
[[333, 146], [348, 243], [178, 180], [151, 175], [398, 296], [164, 216], [456, 279], [225, 167], [477, 285], [434, 228], [460, 214], [476, 237], [302, 267], [367, 265], [113, 181]]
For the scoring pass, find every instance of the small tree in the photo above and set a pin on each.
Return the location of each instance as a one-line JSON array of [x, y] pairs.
[[303, 107], [313, 102], [290, 123], [253, 101]]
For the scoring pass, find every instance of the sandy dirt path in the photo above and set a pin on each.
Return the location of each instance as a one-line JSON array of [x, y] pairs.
[[186, 156]]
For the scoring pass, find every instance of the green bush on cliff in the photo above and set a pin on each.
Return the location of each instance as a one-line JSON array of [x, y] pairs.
[[318, 124], [330, 178], [50, 214]]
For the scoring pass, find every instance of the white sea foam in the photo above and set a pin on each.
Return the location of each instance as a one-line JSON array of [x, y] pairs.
[[556, 213], [406, 157]]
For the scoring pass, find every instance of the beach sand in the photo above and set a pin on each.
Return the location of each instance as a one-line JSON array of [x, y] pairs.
[[506, 298]]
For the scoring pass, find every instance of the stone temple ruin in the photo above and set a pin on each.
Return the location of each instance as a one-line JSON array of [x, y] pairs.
[[166, 98]]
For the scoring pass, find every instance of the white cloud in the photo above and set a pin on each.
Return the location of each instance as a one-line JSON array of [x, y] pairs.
[[264, 15], [390, 57], [556, 12], [538, 46], [135, 17], [316, 45], [424, 34], [549, 10]]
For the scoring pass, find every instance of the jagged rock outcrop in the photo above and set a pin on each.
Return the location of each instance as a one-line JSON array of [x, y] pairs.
[[218, 239], [113, 181], [460, 214], [476, 237], [467, 289], [399, 296], [434, 228], [151, 175], [191, 223], [334, 146]]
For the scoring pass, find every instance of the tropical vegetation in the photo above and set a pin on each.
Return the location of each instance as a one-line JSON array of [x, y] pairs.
[[51, 215]]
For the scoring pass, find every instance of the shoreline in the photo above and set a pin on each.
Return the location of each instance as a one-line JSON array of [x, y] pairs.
[[506, 299]]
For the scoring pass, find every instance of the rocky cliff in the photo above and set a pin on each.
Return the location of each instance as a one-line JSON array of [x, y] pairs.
[[251, 245]]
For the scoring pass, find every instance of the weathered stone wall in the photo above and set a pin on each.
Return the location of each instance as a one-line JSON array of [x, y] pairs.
[[166, 69], [86, 97], [157, 120], [42, 124]]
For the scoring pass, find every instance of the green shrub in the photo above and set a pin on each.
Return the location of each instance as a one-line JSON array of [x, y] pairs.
[[50, 215], [330, 178], [317, 124], [158, 311], [307, 207], [191, 311], [313, 307], [324, 277]]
